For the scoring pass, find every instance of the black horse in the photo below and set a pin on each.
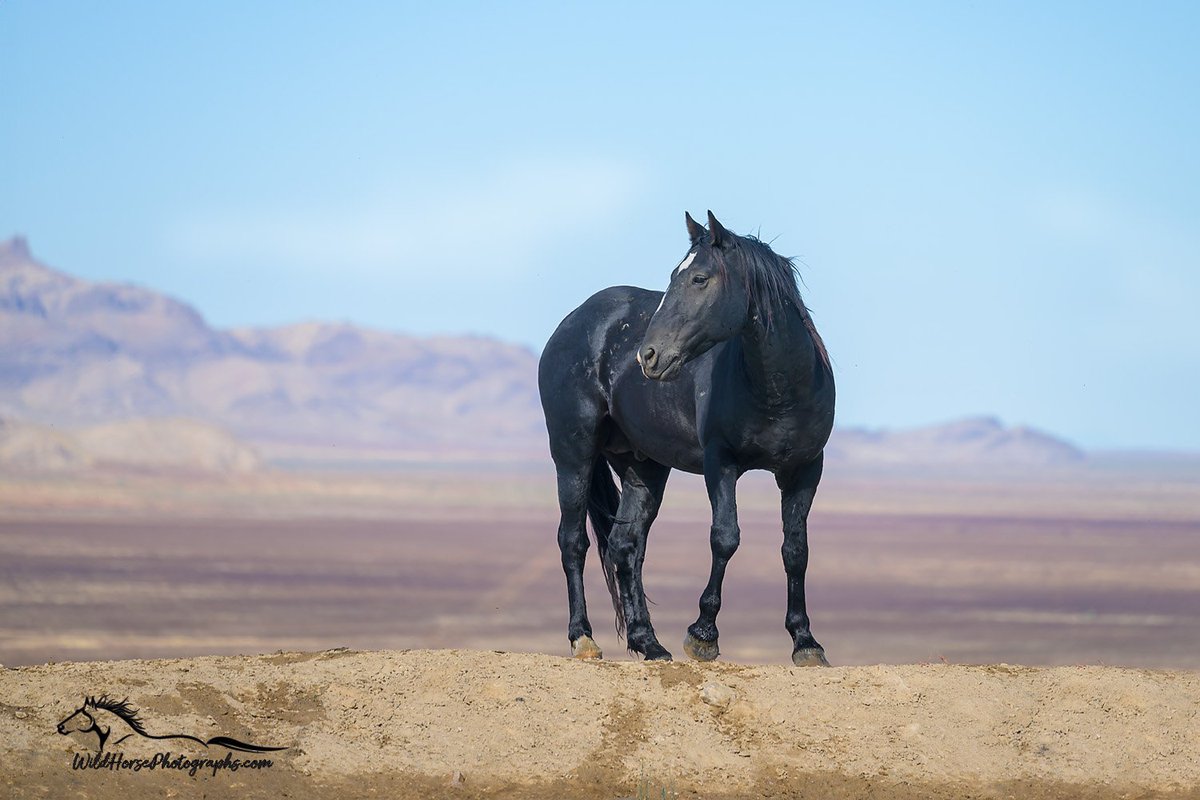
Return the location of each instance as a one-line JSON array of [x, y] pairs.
[[733, 376]]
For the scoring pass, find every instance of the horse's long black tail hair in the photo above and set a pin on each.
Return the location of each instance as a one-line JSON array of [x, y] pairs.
[[603, 499]]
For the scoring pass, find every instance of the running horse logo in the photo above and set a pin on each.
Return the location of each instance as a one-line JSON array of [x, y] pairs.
[[89, 719]]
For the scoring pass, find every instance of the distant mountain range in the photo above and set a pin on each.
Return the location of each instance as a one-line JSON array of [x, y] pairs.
[[75, 355], [976, 440]]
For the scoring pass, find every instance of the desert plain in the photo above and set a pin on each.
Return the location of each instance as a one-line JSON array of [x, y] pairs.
[[1097, 566]]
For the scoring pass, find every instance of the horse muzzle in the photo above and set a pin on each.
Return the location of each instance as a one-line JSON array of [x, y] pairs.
[[658, 367]]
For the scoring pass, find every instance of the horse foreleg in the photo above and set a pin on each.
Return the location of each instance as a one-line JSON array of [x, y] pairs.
[[798, 490], [720, 478]]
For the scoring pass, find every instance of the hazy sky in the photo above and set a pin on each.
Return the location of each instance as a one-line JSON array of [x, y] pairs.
[[995, 205]]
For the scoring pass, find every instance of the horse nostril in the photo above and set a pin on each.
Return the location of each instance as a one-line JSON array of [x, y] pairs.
[[648, 356]]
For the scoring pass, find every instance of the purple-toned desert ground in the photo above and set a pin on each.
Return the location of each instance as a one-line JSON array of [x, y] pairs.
[[1096, 566]]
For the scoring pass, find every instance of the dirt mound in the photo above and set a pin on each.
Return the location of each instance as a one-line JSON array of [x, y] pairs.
[[488, 724]]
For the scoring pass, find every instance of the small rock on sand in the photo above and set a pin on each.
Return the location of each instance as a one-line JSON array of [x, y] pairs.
[[717, 694]]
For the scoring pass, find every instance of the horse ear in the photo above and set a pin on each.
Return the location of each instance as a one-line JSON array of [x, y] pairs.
[[695, 229], [720, 236]]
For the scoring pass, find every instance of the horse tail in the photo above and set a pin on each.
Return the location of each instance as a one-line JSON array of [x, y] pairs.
[[234, 744], [603, 499]]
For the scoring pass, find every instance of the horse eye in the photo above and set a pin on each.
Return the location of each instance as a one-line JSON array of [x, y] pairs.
[[699, 280]]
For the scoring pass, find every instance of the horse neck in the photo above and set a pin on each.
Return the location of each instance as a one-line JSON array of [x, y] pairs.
[[101, 730], [779, 362], [112, 718]]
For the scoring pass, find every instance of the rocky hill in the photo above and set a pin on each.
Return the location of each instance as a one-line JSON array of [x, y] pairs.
[[74, 352], [156, 444], [418, 724]]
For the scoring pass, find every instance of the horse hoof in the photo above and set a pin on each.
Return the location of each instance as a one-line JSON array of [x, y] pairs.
[[810, 657], [584, 648], [699, 649], [657, 653]]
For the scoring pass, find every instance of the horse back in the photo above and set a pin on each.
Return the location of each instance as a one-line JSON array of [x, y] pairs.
[[597, 341]]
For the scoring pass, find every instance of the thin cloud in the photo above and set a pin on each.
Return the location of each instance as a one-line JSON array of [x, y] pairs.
[[473, 223], [1128, 267]]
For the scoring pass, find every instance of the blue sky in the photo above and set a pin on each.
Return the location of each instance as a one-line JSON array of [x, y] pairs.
[[994, 205]]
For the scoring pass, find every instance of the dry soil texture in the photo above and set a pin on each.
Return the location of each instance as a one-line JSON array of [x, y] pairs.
[[475, 724]]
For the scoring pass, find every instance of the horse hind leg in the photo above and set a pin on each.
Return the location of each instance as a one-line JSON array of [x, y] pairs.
[[643, 484], [577, 421], [579, 629], [574, 482]]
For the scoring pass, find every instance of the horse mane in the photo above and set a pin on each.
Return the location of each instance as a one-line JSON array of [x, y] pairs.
[[771, 283], [119, 707]]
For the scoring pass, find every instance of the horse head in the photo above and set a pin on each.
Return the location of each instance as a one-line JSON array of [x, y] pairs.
[[705, 303], [83, 719], [79, 721]]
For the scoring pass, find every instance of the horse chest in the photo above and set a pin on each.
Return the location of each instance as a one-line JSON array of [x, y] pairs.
[[774, 442]]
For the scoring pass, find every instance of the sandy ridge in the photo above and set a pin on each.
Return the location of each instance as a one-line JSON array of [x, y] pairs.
[[402, 723]]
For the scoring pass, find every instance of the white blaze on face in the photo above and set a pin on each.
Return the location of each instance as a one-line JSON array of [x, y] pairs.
[[687, 262]]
